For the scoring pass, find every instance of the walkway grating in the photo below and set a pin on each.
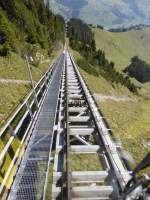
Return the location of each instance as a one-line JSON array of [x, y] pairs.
[[31, 176]]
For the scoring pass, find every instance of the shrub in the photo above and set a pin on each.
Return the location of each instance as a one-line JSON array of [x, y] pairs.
[[7, 35]]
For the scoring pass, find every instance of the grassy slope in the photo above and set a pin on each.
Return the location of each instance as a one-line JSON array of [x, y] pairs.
[[130, 123], [10, 97], [12, 94], [129, 120], [120, 47], [100, 84]]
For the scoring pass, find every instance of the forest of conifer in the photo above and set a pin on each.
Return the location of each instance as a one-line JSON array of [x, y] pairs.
[[25, 22]]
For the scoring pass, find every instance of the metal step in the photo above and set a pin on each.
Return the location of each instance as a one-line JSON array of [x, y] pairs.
[[86, 192]]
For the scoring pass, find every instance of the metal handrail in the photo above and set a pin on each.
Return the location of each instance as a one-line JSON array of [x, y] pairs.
[[29, 113], [26, 100], [68, 167]]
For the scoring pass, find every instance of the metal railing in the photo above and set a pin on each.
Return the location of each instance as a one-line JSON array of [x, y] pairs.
[[15, 135], [68, 167]]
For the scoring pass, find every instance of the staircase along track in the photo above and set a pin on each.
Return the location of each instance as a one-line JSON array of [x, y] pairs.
[[68, 121]]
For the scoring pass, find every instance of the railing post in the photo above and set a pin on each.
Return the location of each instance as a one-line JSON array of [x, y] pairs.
[[46, 81], [31, 80], [29, 109], [11, 130]]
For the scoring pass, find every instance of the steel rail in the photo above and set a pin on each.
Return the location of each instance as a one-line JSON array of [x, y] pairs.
[[82, 118], [68, 167], [77, 97], [122, 174]]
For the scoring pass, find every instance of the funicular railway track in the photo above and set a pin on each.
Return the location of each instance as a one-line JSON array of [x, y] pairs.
[[82, 132]]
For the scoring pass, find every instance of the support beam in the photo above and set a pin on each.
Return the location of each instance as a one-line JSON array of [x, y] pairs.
[[84, 148], [72, 87], [75, 96], [81, 140], [77, 109], [81, 131], [89, 176], [80, 148], [72, 92], [73, 81], [83, 176], [92, 192], [86, 192], [73, 84], [79, 119]]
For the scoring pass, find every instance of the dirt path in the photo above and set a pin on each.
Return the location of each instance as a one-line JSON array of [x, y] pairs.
[[13, 81], [101, 97]]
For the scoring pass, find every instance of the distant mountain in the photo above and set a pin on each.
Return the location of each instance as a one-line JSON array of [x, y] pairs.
[[109, 13], [134, 27]]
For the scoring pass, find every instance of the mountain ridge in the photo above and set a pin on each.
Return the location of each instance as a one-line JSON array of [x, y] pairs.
[[107, 13]]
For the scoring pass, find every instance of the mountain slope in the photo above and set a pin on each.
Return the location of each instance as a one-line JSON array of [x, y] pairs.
[[105, 12], [26, 27], [122, 46], [31, 22]]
